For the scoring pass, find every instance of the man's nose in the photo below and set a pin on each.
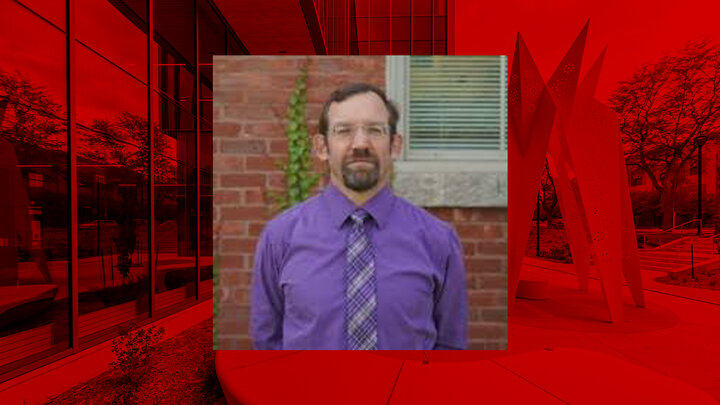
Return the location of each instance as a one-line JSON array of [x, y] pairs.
[[360, 139]]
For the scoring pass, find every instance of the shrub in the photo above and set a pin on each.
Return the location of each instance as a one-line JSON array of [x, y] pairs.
[[559, 253], [133, 350]]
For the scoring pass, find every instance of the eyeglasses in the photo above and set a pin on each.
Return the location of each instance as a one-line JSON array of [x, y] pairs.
[[348, 131]]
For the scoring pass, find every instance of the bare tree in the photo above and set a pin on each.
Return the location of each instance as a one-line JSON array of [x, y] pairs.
[[548, 196], [663, 109], [32, 117]]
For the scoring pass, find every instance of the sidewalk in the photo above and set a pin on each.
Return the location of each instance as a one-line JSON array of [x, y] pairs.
[[676, 334], [561, 350]]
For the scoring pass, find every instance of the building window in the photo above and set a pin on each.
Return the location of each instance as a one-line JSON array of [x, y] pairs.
[[453, 115], [452, 107], [636, 179], [694, 168], [35, 180]]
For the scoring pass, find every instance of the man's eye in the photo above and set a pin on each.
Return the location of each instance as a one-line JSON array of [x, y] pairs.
[[342, 131], [375, 131]]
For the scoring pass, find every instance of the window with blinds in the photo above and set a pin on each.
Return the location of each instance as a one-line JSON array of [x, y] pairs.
[[454, 106]]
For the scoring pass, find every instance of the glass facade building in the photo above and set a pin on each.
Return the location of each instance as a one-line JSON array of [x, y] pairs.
[[384, 27], [106, 140], [106, 145]]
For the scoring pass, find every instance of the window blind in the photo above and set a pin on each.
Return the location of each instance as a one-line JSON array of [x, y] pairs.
[[457, 103]]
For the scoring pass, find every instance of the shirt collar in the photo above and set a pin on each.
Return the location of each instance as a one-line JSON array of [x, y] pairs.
[[340, 207]]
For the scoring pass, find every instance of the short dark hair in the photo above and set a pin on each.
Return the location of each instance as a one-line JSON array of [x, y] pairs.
[[347, 91]]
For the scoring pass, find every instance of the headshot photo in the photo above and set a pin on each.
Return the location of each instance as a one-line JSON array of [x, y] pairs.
[[360, 203]]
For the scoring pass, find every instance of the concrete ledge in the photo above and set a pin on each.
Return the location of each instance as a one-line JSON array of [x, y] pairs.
[[452, 184]]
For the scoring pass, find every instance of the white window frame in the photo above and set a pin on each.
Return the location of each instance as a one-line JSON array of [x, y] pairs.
[[396, 79], [447, 171]]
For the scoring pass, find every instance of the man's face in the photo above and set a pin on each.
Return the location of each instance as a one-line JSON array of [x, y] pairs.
[[359, 156]]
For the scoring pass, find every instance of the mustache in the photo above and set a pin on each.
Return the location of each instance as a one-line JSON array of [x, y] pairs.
[[361, 155]]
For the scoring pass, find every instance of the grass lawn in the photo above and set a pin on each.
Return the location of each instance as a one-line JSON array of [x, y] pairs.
[[707, 279], [183, 372]]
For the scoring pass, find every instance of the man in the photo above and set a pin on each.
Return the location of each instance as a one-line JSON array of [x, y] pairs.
[[357, 267]]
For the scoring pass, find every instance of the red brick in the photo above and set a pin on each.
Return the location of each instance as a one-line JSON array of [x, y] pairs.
[[472, 281], [485, 344], [283, 81], [228, 261], [232, 229], [494, 314], [490, 281], [236, 278], [224, 163], [226, 129], [264, 129], [487, 331], [238, 245], [243, 146], [241, 296], [256, 65], [481, 231], [254, 196], [494, 214], [256, 228], [260, 96], [485, 265], [278, 146], [234, 342], [473, 344], [218, 112], [445, 214], [468, 248], [491, 248], [242, 180], [497, 345], [243, 213], [482, 298], [226, 197], [276, 180], [231, 327], [287, 63], [229, 95], [229, 311], [240, 79], [262, 163]]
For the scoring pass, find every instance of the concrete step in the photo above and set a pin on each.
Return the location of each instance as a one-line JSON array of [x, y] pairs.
[[665, 264], [674, 256], [668, 262], [659, 269], [671, 256]]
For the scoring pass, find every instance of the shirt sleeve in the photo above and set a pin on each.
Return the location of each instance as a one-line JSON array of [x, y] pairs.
[[451, 303], [266, 307]]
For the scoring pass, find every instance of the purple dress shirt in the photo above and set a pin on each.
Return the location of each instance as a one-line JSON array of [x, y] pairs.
[[298, 292]]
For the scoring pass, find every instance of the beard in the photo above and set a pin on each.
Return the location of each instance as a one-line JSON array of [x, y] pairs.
[[361, 177]]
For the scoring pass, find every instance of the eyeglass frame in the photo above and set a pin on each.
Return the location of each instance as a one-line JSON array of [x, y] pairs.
[[366, 128]]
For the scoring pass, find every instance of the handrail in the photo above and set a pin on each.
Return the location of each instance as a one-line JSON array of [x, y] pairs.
[[646, 236], [683, 224], [715, 245]]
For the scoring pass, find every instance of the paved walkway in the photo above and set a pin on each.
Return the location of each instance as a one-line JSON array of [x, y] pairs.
[[677, 334], [562, 350]]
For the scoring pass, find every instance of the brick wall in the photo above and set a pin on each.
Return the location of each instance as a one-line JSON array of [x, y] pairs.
[[250, 100]]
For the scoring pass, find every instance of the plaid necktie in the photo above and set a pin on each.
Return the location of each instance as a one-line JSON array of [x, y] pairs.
[[360, 293]]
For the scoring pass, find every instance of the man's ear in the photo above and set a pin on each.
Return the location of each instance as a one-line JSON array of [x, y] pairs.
[[320, 147], [396, 145]]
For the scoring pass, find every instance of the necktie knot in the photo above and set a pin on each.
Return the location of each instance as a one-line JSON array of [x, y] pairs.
[[359, 216]]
